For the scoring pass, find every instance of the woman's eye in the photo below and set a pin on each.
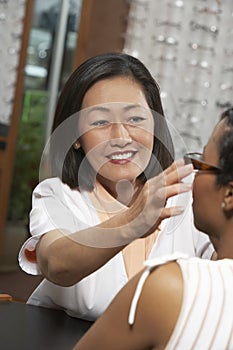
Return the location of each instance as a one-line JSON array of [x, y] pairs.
[[136, 120], [100, 123]]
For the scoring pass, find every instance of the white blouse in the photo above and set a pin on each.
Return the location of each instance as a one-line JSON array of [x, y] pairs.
[[55, 205]]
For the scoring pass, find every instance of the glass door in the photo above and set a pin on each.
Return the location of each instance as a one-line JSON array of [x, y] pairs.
[[50, 54]]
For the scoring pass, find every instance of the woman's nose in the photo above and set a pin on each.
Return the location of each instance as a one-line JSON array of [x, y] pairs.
[[120, 135]]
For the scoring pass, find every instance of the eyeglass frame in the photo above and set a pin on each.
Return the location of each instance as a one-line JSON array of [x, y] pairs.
[[199, 164]]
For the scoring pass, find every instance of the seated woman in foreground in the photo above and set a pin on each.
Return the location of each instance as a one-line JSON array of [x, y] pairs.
[[179, 302]]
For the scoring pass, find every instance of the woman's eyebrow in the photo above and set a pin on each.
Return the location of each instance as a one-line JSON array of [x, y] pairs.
[[132, 106], [107, 109], [98, 108]]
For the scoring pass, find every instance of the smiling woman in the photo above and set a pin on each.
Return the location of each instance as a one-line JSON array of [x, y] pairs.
[[117, 137], [113, 174]]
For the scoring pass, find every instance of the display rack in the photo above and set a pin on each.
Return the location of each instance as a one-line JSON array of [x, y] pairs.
[[188, 47]]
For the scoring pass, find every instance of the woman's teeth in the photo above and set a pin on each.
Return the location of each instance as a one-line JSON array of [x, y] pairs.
[[122, 156]]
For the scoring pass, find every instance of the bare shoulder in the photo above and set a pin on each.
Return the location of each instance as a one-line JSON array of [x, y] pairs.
[[166, 278], [161, 301], [156, 314]]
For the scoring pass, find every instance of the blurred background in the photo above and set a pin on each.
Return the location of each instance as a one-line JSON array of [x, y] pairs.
[[186, 44]]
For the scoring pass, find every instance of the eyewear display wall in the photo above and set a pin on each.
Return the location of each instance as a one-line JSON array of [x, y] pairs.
[[188, 46]]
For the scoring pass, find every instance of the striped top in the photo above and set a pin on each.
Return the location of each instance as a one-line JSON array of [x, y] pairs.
[[206, 316]]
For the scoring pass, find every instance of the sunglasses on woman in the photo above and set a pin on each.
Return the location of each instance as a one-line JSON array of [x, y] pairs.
[[199, 164]]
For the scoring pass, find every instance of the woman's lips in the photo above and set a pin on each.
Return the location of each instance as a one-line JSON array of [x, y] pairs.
[[121, 157]]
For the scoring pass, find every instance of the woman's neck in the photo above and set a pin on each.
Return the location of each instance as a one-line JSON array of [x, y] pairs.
[[123, 191]]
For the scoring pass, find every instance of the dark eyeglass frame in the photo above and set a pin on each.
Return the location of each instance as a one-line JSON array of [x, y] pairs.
[[195, 159]]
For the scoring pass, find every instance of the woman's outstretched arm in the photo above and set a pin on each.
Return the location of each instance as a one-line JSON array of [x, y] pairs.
[[65, 259]]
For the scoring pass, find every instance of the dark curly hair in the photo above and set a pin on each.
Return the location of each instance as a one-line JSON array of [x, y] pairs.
[[225, 149]]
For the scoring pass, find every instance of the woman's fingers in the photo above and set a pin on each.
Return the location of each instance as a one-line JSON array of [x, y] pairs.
[[164, 192], [170, 191], [177, 188], [172, 211], [174, 174], [176, 164], [172, 177]]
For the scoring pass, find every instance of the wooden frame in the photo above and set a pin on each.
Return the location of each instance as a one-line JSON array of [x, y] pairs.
[[101, 29], [7, 155]]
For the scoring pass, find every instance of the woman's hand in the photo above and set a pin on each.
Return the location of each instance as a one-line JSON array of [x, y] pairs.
[[149, 209]]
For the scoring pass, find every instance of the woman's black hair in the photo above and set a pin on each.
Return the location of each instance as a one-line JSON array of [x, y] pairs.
[[106, 66], [225, 149]]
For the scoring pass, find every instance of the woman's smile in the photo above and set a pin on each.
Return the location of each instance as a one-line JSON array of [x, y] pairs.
[[121, 157]]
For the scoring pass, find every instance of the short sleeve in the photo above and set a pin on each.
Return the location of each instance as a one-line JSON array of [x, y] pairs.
[[29, 265], [54, 206]]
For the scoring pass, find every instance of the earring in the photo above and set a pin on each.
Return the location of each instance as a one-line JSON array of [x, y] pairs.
[[223, 205], [76, 146]]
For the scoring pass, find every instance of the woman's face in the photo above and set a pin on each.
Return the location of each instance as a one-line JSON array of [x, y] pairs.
[[207, 196], [116, 128]]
